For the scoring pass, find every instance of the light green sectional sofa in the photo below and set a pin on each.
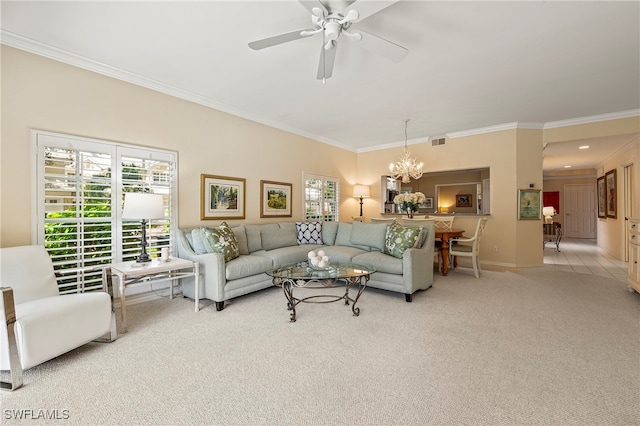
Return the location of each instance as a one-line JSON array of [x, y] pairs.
[[265, 246]]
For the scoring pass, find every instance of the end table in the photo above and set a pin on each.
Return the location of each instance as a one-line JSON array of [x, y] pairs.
[[130, 273]]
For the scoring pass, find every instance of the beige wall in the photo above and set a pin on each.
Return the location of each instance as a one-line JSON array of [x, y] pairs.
[[508, 154], [38, 93], [612, 232]]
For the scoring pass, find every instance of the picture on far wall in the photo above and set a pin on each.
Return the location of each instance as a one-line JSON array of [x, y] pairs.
[[602, 197], [463, 200], [612, 199], [275, 199], [428, 203], [529, 207], [221, 197]]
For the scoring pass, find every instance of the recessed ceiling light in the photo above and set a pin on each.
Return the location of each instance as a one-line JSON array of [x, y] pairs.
[[583, 147], [567, 167]]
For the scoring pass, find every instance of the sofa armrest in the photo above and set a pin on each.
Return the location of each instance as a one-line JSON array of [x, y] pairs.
[[212, 270], [417, 263]]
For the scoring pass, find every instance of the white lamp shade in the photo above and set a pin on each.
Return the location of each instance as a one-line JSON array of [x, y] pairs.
[[548, 211], [140, 205], [361, 191]]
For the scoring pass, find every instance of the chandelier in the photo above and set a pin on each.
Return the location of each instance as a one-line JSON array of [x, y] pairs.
[[406, 168]]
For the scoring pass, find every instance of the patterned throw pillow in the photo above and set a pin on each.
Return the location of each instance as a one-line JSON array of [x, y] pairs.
[[399, 239], [222, 240], [309, 232]]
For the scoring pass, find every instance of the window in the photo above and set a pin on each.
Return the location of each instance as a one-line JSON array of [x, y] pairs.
[[80, 186], [321, 197]]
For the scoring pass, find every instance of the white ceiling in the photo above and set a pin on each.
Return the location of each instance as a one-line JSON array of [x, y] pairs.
[[470, 65]]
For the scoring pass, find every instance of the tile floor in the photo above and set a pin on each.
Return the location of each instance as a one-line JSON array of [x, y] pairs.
[[584, 256]]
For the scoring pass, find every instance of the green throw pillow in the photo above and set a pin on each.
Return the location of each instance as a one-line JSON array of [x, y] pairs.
[[222, 240], [399, 239]]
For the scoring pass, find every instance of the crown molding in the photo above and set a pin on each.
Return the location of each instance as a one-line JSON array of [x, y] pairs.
[[497, 128], [593, 119], [42, 49]]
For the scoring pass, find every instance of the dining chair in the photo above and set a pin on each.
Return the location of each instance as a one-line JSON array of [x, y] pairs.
[[415, 221], [443, 222], [468, 247], [40, 323]]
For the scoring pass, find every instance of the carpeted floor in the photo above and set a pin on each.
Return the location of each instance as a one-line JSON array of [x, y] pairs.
[[537, 347]]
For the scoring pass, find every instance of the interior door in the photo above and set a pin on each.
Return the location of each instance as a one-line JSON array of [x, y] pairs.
[[580, 211]]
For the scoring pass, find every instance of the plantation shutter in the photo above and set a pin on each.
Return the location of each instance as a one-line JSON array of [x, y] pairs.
[[321, 198], [80, 185]]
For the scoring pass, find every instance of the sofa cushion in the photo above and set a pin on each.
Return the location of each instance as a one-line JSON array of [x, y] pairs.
[[343, 237], [245, 266], [285, 255], [368, 234], [342, 253], [382, 262], [222, 240], [241, 236], [309, 232], [199, 244], [254, 240], [329, 231], [400, 238], [277, 237]]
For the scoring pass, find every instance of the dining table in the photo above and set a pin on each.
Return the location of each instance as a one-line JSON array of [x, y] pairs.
[[445, 235]]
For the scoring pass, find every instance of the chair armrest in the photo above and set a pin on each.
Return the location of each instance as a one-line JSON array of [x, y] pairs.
[[9, 318], [461, 240]]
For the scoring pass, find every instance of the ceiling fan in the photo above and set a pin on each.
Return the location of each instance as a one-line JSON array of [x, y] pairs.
[[333, 19]]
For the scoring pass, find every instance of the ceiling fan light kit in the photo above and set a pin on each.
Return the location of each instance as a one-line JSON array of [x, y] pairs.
[[333, 23]]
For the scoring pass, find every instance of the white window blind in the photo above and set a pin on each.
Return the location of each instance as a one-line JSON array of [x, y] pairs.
[[80, 186], [321, 198]]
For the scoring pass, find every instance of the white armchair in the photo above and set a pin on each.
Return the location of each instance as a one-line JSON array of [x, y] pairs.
[[41, 324], [469, 247]]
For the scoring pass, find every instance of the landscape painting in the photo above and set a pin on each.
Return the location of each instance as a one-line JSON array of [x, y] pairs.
[[221, 197], [275, 199]]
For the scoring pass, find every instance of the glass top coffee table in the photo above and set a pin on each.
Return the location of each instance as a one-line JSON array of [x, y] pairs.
[[303, 275]]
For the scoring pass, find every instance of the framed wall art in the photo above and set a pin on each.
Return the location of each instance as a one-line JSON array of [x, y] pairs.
[[602, 197], [612, 199], [529, 206], [275, 199], [221, 197], [463, 200], [428, 203]]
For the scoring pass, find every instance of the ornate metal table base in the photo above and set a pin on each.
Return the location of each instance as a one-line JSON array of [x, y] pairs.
[[288, 284]]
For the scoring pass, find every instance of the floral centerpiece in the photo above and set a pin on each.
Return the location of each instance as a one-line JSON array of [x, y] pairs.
[[410, 202]]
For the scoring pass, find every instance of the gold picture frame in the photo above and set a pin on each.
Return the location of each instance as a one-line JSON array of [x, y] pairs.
[[612, 195], [464, 200], [602, 197], [221, 197], [275, 199]]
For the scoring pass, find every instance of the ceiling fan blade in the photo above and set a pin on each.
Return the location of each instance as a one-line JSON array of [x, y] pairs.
[[327, 57], [311, 4], [389, 50], [366, 8], [279, 39]]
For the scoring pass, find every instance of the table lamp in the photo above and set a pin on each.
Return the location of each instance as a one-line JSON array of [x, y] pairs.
[[548, 213], [361, 191], [142, 206]]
